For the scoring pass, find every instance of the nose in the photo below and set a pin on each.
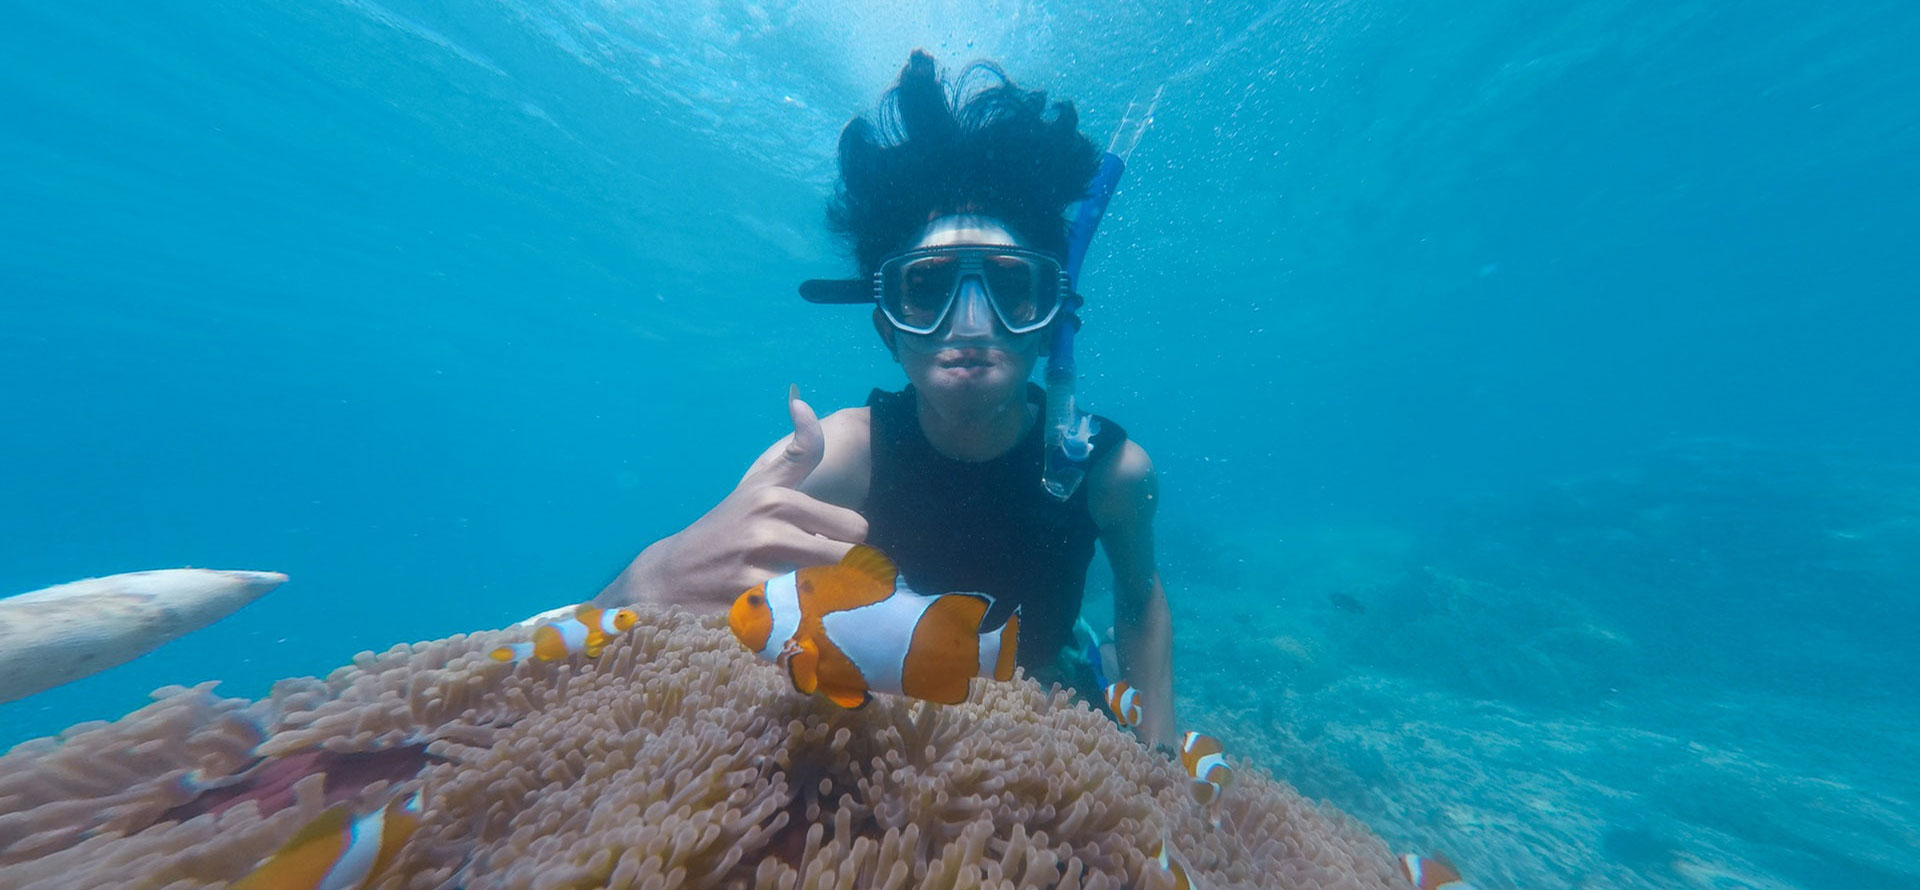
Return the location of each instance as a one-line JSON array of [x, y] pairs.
[[972, 316]]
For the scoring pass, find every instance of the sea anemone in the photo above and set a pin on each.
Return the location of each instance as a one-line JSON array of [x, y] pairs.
[[674, 759]]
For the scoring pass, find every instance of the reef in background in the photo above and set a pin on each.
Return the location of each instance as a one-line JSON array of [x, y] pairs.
[[1686, 674], [675, 759]]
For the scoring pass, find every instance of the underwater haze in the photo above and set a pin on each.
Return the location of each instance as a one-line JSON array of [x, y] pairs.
[[1532, 385]]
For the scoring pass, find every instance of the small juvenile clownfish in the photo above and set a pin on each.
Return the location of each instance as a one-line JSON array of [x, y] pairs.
[[1172, 866], [1124, 701], [852, 628], [337, 851], [1205, 762], [1432, 872], [587, 631]]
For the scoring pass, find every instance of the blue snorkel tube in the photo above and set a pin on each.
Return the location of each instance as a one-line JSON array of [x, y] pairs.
[[1070, 431]]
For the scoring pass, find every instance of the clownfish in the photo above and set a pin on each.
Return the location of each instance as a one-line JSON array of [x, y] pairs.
[[337, 851], [1172, 866], [587, 631], [1124, 701], [852, 629], [1432, 872], [1205, 762]]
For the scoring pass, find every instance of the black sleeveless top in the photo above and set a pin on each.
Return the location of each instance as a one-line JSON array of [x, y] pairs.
[[988, 527]]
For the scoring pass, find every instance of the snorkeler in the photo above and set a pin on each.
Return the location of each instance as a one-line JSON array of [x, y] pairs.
[[954, 208]]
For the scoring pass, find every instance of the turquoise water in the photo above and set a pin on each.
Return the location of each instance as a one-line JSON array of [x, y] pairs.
[[1569, 342]]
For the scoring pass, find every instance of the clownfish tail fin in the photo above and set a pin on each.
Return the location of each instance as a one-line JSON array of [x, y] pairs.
[[512, 652]]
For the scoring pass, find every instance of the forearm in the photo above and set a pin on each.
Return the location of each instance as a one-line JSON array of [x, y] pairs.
[[1143, 634], [660, 576], [641, 577]]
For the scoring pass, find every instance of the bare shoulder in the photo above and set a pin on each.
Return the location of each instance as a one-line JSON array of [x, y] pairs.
[[854, 420], [846, 470], [1123, 489]]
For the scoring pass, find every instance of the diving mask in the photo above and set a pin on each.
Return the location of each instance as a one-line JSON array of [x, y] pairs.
[[917, 290]]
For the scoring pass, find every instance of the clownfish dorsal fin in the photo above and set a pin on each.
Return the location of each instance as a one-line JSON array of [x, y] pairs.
[[327, 824], [871, 563]]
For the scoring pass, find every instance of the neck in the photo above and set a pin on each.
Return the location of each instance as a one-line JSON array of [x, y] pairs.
[[972, 431]]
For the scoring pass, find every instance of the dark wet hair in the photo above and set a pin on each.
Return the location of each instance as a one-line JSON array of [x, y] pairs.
[[987, 148]]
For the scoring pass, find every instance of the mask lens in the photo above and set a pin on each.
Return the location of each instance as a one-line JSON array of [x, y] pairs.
[[918, 290], [1017, 289]]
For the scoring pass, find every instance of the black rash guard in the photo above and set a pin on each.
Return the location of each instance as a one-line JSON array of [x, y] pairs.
[[987, 527]]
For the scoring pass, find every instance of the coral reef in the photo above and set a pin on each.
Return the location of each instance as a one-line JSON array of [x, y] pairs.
[[1674, 676], [675, 759]]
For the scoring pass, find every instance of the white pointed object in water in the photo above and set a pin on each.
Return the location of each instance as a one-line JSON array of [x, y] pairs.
[[557, 613], [62, 633]]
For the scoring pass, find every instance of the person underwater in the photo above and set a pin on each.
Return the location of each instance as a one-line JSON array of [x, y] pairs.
[[851, 629], [954, 202]]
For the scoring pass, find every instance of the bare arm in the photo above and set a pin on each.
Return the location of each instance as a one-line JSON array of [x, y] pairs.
[[794, 507], [1123, 495]]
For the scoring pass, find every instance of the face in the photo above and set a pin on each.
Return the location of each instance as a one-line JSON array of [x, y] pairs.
[[972, 354]]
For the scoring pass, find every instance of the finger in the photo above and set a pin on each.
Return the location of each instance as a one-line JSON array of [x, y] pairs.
[[818, 517], [798, 550], [790, 465]]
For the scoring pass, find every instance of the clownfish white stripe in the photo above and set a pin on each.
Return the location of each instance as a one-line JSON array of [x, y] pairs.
[[1206, 764], [990, 651], [783, 601], [610, 622], [573, 633], [363, 847], [869, 636], [1432, 874]]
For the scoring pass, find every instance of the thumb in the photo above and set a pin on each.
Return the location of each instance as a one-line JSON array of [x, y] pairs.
[[791, 465]]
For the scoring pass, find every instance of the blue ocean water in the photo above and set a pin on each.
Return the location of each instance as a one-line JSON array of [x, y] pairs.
[[1531, 385]]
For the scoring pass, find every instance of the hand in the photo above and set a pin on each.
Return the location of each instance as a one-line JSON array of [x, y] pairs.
[[766, 526]]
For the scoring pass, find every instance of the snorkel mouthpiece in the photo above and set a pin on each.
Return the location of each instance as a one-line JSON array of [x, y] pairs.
[[1070, 431]]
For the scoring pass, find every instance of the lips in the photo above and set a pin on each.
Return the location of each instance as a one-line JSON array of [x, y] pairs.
[[966, 358]]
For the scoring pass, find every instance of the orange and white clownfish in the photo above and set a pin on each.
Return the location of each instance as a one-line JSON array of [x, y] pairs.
[[337, 851], [1205, 762], [1124, 701], [1432, 872], [587, 631], [1171, 865], [852, 629]]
